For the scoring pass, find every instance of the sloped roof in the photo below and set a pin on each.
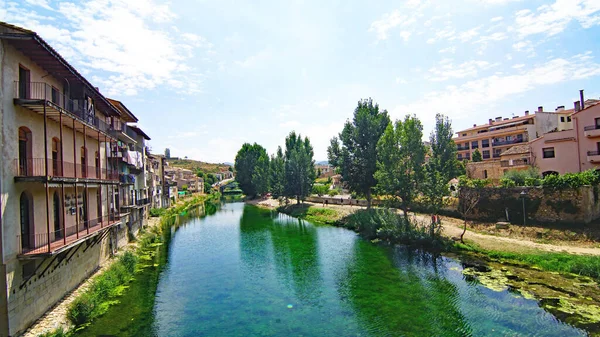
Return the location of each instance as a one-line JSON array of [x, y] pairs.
[[499, 123], [139, 131], [126, 115], [517, 149]]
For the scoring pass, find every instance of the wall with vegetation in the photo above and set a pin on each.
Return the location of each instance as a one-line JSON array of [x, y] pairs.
[[542, 204]]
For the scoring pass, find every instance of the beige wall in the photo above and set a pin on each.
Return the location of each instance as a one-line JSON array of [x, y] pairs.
[[565, 152], [27, 302]]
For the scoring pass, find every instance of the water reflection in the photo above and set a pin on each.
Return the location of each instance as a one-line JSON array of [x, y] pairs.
[[246, 272]]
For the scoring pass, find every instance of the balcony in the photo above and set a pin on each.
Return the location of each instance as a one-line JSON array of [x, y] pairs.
[[40, 244], [60, 170], [593, 156], [142, 202], [496, 155], [592, 131], [462, 148], [39, 96], [508, 142], [514, 163]]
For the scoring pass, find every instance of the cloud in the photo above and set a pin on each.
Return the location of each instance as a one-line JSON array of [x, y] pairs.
[[447, 70], [388, 21], [289, 124], [257, 59], [466, 101], [496, 19], [400, 80], [395, 18], [553, 19], [449, 50], [323, 104], [118, 43], [41, 3]]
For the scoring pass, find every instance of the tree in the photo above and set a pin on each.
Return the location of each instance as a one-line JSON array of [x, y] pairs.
[[443, 149], [356, 156], [230, 169], [277, 173], [167, 153], [252, 167], [401, 155], [477, 156], [299, 167], [468, 198]]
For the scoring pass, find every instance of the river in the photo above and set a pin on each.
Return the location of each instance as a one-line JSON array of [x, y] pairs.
[[245, 271]]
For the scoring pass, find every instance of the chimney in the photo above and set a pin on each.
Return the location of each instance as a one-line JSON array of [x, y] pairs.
[[526, 112], [560, 108], [499, 119], [491, 121], [540, 109], [474, 125], [577, 105], [581, 99]]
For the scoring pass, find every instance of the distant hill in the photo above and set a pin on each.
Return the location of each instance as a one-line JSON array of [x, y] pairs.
[[195, 164], [322, 162]]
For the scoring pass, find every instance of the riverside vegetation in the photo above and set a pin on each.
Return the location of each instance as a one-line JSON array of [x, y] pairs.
[[134, 271]]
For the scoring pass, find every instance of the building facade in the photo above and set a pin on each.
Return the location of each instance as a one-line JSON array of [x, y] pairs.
[[59, 216]]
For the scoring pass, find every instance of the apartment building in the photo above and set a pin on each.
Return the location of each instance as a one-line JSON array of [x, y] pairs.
[[159, 192], [59, 189], [500, 134], [573, 150]]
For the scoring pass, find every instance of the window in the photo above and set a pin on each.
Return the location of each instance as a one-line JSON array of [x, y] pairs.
[[597, 123], [83, 162], [485, 174], [459, 156], [568, 118], [57, 212], [562, 119], [486, 154], [548, 152], [474, 144], [464, 134], [25, 160], [485, 143], [24, 82], [26, 213], [56, 163], [55, 96]]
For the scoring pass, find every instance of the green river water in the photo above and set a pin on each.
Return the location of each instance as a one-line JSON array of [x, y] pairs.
[[244, 271]]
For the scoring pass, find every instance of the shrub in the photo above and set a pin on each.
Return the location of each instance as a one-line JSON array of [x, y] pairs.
[[333, 193], [320, 189], [504, 182], [574, 180], [519, 176], [129, 261], [60, 332], [81, 309], [156, 212]]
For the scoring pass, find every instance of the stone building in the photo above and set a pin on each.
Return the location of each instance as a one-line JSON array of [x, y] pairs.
[[59, 213]]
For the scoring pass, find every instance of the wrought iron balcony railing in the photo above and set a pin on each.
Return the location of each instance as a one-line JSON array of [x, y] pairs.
[[36, 167]]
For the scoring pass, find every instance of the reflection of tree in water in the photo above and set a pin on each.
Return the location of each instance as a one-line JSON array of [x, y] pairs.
[[255, 239], [296, 253], [401, 297]]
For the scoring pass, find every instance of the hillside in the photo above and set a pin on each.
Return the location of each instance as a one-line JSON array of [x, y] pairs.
[[195, 164]]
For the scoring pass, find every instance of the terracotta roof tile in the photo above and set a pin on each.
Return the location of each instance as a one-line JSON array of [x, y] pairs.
[[517, 149]]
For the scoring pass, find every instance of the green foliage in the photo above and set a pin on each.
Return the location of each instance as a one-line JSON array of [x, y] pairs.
[[314, 214], [184, 187], [167, 153], [474, 183], [434, 187], [386, 224], [156, 212], [520, 176], [320, 189], [333, 193], [252, 167], [277, 173], [573, 180], [506, 183], [356, 156], [443, 150], [400, 159], [107, 285], [60, 332], [477, 157], [299, 167]]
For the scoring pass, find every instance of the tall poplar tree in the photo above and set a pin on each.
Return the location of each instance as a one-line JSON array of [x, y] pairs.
[[356, 156], [252, 168], [401, 155], [299, 167], [278, 173]]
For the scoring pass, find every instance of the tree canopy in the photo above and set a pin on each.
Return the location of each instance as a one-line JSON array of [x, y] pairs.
[[401, 155], [277, 173], [299, 167], [477, 157], [356, 155], [252, 167]]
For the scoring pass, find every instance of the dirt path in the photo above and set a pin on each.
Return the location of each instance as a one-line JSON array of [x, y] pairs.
[[452, 228]]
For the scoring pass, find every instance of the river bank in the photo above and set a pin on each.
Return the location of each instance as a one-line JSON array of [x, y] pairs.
[[135, 298], [563, 278]]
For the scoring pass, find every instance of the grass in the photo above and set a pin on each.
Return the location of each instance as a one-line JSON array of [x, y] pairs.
[[584, 265], [321, 215]]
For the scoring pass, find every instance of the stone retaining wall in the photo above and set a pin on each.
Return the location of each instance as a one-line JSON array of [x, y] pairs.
[[572, 205]]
